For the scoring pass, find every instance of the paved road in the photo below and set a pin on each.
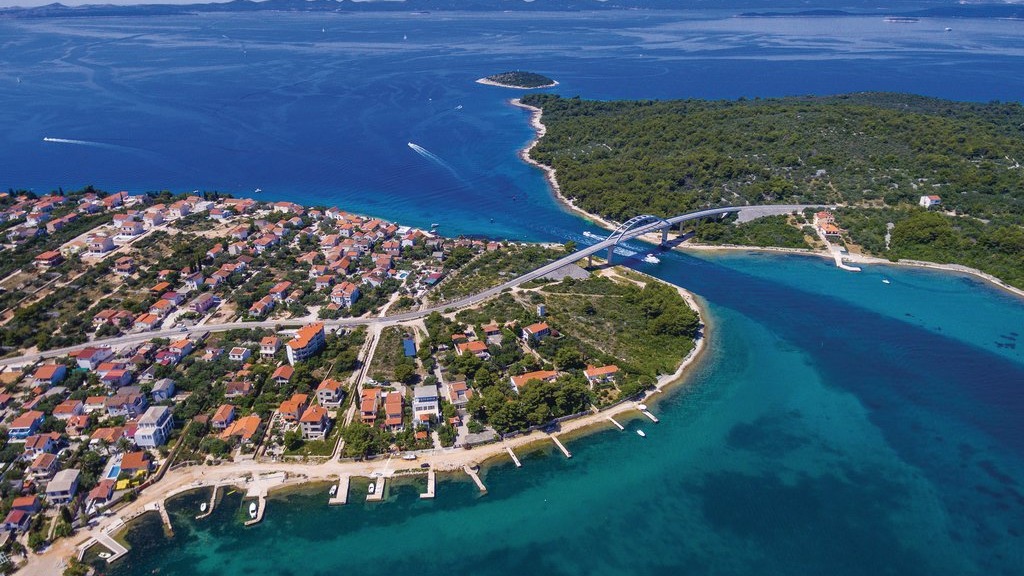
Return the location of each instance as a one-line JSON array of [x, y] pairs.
[[746, 213]]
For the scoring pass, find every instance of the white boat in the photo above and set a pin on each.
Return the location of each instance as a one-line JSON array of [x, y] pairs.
[[202, 507], [885, 281], [257, 191], [652, 259], [641, 434], [459, 107], [370, 488], [252, 510], [948, 29], [104, 555], [641, 406], [334, 490], [434, 225], [590, 234]]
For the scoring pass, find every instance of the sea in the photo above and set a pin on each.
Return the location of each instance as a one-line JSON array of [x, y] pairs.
[[837, 424]]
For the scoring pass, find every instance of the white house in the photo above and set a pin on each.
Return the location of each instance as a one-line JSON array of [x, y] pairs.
[[929, 201], [154, 427]]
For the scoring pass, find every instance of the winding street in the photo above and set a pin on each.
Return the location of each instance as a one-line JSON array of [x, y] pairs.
[[746, 213]]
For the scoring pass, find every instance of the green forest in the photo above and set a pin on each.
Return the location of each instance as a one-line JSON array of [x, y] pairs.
[[874, 153], [521, 79]]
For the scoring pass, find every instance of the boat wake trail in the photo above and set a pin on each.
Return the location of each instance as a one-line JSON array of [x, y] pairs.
[[104, 145], [87, 143], [431, 156]]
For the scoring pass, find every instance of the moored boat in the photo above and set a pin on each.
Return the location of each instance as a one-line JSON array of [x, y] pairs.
[[641, 433], [252, 510]]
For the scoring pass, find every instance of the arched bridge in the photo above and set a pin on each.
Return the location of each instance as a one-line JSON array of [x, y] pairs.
[[628, 230], [646, 223]]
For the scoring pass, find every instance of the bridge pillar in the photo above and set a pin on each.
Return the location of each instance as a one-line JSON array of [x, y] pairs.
[[590, 261], [664, 235], [611, 252]]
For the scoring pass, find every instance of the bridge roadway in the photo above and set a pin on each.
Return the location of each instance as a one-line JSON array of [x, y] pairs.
[[746, 213]]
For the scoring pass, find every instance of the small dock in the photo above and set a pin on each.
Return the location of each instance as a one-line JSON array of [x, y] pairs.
[[212, 503], [115, 547], [378, 491], [340, 497], [261, 507], [476, 478], [561, 446], [647, 413], [431, 485], [164, 516], [513, 455], [616, 422]]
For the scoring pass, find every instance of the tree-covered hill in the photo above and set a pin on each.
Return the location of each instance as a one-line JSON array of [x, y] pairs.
[[876, 153]]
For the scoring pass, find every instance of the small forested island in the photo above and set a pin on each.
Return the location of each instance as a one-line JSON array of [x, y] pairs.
[[913, 178], [519, 79]]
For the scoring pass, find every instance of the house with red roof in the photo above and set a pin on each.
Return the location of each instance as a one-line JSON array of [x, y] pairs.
[[25, 425], [43, 467], [314, 423], [135, 463], [269, 345], [330, 393], [65, 410], [244, 428], [543, 375], [393, 411], [49, 374], [223, 417], [536, 332], [602, 374], [308, 340], [368, 398], [17, 521], [283, 374]]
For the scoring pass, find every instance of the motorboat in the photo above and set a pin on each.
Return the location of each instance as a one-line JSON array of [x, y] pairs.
[[652, 259], [203, 506], [334, 490], [641, 433], [252, 510], [641, 406], [371, 488], [104, 555], [885, 281]]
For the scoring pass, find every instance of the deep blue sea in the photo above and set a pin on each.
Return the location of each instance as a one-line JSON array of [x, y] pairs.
[[837, 425]]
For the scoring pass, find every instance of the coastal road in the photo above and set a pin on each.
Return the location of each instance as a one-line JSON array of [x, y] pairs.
[[746, 213]]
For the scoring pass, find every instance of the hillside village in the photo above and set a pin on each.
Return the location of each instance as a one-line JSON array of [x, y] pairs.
[[85, 430]]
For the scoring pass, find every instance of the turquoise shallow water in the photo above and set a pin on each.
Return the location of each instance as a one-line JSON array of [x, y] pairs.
[[837, 425], [797, 446]]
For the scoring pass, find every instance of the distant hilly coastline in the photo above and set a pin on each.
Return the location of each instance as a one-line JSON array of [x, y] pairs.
[[1002, 11], [896, 8]]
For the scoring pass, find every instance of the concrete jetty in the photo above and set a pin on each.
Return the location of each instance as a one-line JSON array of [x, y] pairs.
[[116, 549], [211, 504], [261, 507], [616, 422], [160, 508], [561, 446], [340, 497], [378, 490], [513, 455], [476, 478], [649, 415], [431, 485]]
